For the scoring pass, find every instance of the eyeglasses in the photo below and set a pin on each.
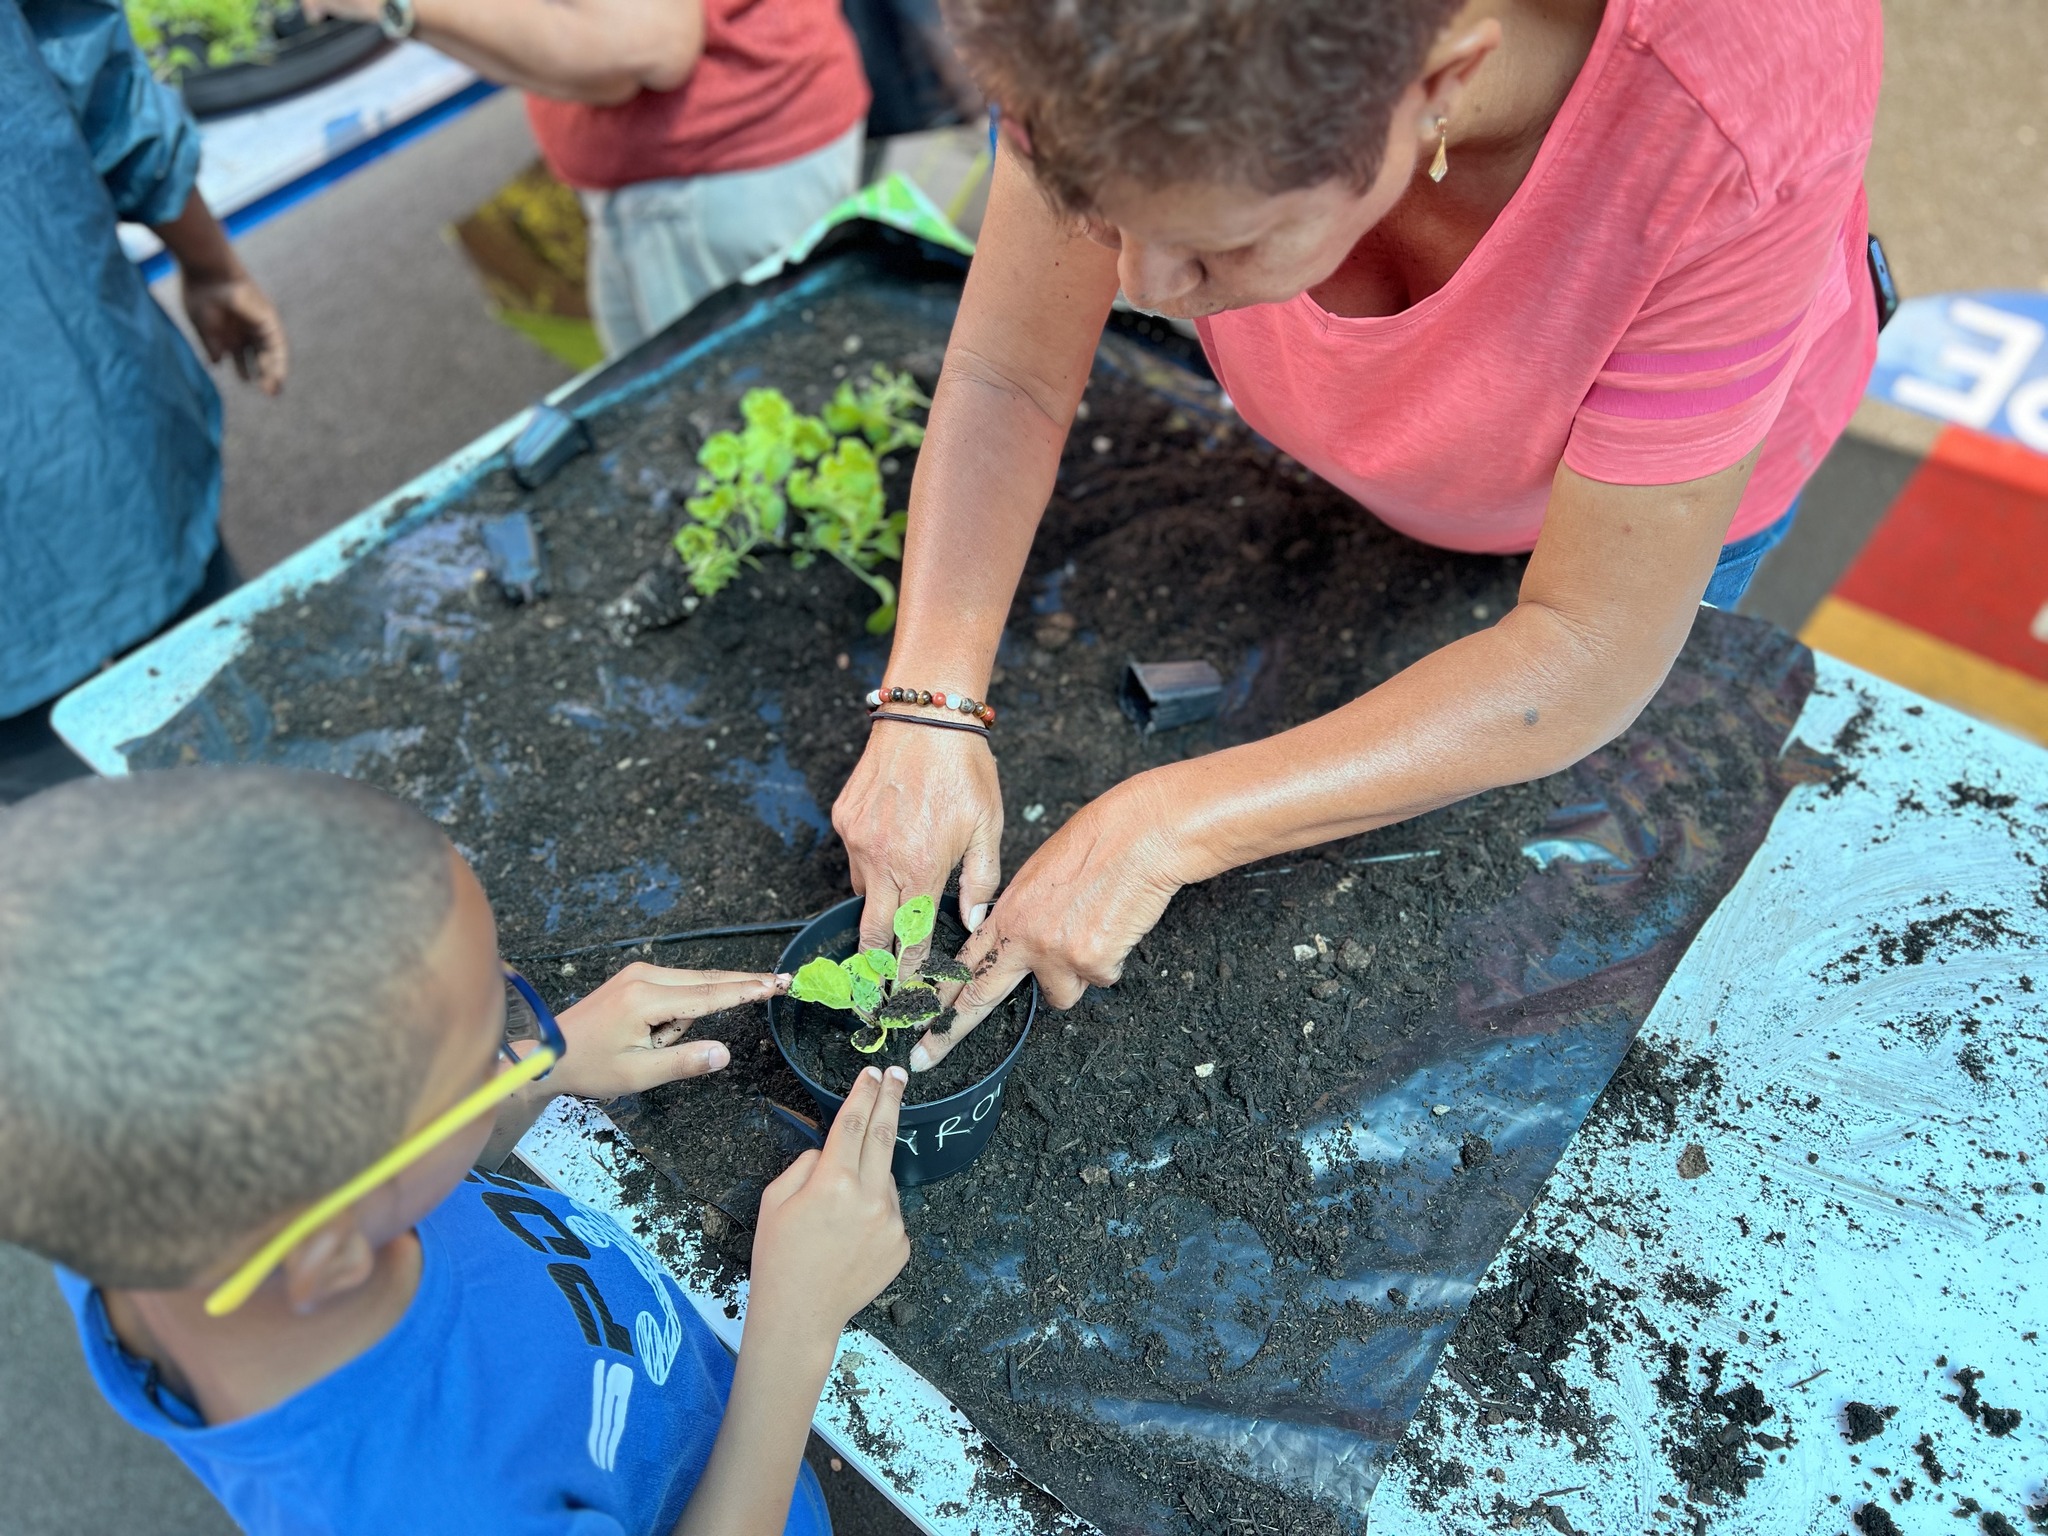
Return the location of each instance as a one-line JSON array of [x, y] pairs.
[[528, 1021]]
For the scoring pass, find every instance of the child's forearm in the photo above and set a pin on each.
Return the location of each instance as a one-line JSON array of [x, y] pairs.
[[746, 1487], [198, 244]]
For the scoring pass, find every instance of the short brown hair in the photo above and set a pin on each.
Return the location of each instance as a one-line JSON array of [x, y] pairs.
[[1276, 94], [210, 999]]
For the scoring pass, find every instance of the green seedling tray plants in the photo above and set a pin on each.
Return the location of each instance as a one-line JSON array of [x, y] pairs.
[[808, 485]]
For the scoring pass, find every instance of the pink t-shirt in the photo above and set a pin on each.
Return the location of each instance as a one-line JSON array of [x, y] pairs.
[[1680, 277]]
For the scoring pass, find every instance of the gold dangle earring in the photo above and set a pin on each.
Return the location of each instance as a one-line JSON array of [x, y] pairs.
[[1442, 162]]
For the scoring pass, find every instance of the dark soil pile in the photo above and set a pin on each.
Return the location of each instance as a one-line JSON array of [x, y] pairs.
[[1506, 1351], [1176, 1228]]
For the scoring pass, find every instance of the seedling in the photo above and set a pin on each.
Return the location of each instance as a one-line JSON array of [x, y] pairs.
[[782, 459], [873, 985]]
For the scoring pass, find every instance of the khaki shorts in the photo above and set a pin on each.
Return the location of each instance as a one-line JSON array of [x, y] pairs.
[[659, 248]]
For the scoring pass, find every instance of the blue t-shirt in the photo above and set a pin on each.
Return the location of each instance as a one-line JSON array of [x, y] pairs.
[[548, 1379]]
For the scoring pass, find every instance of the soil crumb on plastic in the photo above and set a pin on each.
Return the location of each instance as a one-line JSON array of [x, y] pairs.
[[1876, 1520], [1862, 1422], [1996, 1421]]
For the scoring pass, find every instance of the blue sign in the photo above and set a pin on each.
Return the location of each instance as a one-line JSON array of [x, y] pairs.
[[1977, 359]]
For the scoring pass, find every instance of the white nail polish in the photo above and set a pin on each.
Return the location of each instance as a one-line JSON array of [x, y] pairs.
[[978, 916], [920, 1058]]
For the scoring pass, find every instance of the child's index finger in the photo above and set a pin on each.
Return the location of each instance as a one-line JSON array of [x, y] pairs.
[[670, 976], [849, 1131], [663, 1002], [879, 1154]]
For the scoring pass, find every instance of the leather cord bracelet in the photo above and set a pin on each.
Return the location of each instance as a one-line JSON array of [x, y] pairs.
[[925, 698], [934, 723]]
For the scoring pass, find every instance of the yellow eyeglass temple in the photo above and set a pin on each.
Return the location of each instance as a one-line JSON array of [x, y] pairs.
[[239, 1286]]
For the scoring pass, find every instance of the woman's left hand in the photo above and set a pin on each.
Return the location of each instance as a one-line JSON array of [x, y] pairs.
[[1095, 888]]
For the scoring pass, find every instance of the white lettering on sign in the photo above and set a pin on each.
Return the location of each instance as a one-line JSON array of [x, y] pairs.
[[909, 1141], [952, 1127], [2028, 413], [1995, 372], [986, 1105]]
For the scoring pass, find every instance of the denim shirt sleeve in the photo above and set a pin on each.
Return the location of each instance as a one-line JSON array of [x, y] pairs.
[[144, 143]]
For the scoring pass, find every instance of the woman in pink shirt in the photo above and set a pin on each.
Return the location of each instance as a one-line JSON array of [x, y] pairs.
[[1556, 275]]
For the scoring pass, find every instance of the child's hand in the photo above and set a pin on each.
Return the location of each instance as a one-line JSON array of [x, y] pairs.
[[627, 1036], [831, 1232]]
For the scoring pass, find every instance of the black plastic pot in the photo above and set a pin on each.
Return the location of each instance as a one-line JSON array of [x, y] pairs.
[[933, 1140], [305, 55]]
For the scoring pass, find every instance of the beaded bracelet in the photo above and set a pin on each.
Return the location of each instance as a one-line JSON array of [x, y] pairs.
[[877, 697]]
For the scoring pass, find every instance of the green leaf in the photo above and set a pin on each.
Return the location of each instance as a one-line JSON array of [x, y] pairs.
[[712, 573], [882, 620], [884, 962], [944, 968], [694, 541], [768, 411], [859, 965], [823, 982], [842, 412], [914, 920], [713, 509], [867, 996], [720, 455], [869, 1039], [809, 438]]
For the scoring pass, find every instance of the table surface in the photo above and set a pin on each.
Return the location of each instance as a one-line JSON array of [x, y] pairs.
[[249, 155], [1881, 1125], [1913, 1083]]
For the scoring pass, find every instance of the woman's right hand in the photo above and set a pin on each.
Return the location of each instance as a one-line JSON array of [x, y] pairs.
[[921, 801]]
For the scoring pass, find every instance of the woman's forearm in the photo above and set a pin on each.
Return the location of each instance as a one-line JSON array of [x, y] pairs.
[[1609, 598], [1018, 361], [600, 51], [1503, 706]]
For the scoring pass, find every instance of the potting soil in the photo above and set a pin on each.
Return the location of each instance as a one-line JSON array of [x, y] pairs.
[[1238, 1202]]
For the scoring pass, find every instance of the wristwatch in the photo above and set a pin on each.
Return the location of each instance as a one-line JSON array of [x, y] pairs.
[[396, 19]]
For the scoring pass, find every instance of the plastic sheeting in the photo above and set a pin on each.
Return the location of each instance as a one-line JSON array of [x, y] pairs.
[[1560, 977]]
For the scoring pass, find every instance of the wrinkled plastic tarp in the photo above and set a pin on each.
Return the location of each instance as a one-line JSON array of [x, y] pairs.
[[1560, 977], [109, 425]]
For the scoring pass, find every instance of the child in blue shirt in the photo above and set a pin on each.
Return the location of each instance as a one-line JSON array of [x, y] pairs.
[[226, 992]]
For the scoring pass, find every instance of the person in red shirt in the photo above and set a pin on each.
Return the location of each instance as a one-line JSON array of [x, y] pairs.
[[703, 135], [1579, 277]]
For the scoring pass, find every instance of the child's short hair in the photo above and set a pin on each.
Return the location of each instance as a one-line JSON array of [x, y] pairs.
[[209, 987], [1277, 94]]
